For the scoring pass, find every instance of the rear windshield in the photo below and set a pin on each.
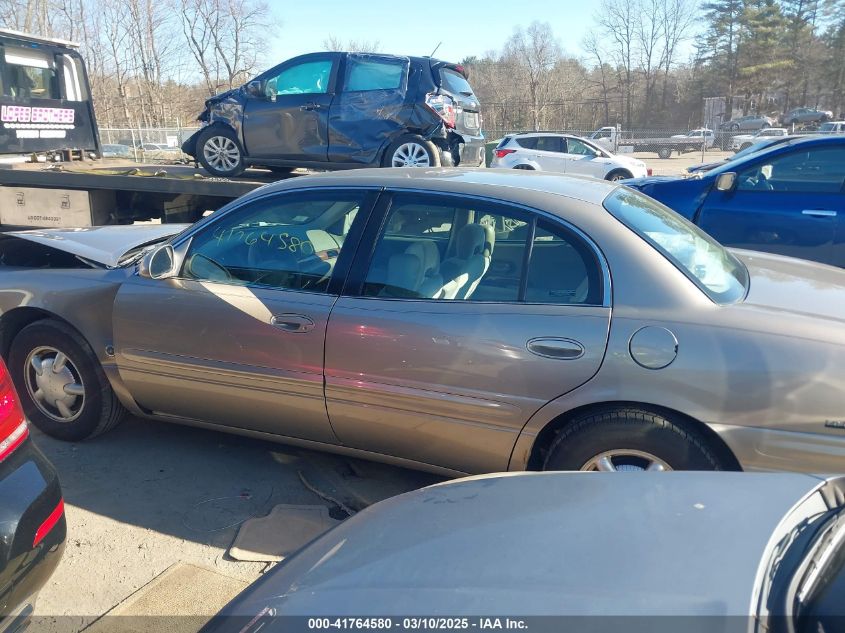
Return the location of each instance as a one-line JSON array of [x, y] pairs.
[[504, 141], [719, 274], [455, 82]]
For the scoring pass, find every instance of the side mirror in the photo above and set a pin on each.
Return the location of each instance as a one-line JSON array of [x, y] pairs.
[[255, 88], [726, 181], [159, 264]]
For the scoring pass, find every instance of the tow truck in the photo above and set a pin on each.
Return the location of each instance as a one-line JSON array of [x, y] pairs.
[[46, 109]]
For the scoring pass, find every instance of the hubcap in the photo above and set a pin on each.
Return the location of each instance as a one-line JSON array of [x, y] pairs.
[[617, 178], [410, 155], [54, 384], [221, 153], [625, 460]]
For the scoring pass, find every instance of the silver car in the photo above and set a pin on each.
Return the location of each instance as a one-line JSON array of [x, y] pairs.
[[692, 552], [463, 321]]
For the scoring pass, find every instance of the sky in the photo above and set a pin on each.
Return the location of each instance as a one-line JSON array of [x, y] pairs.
[[467, 27]]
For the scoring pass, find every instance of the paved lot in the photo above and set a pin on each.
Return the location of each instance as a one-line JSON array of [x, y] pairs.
[[678, 164], [149, 496]]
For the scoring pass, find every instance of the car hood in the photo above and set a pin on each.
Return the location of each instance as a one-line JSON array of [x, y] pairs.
[[574, 544], [794, 286], [104, 245]]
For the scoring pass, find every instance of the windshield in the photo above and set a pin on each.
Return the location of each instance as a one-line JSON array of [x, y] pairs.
[[719, 274]]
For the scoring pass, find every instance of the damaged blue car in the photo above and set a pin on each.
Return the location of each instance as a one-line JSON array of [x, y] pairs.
[[338, 110]]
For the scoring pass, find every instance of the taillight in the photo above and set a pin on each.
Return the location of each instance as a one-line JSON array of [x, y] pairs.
[[13, 430], [444, 107], [501, 153], [49, 523], [648, 172]]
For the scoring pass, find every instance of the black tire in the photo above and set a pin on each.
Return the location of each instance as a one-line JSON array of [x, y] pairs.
[[664, 152], [524, 167], [618, 174], [99, 410], [220, 137], [638, 430], [431, 151]]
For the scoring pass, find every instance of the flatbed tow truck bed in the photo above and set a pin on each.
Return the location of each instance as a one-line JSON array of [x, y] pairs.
[[118, 192]]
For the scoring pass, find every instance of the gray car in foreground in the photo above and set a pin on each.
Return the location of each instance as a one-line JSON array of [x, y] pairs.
[[648, 552], [463, 321]]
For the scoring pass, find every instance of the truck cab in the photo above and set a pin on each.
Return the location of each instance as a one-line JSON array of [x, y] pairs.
[[45, 101]]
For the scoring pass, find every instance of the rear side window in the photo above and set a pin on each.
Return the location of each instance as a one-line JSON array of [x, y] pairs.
[[366, 73], [473, 250], [455, 82], [528, 142], [31, 74], [719, 274]]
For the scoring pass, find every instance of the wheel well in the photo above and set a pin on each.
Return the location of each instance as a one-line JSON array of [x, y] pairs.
[[13, 321], [618, 170], [547, 435]]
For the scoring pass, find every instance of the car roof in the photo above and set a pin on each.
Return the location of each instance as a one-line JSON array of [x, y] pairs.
[[832, 140], [496, 183]]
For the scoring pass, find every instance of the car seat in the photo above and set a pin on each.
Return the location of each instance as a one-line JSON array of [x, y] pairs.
[[473, 252]]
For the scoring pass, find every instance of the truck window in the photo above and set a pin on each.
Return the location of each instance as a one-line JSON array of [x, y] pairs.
[[73, 78], [30, 74]]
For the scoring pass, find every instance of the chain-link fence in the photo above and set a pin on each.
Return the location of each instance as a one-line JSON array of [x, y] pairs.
[[146, 145]]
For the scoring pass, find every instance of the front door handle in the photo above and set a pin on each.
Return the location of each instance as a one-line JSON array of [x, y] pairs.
[[308, 107], [295, 323], [557, 348], [819, 213]]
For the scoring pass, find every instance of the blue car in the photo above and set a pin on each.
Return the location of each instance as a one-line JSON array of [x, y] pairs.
[[789, 199]]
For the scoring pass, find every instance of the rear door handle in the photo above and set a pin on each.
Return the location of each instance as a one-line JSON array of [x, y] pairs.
[[295, 323], [557, 348], [819, 213], [308, 107]]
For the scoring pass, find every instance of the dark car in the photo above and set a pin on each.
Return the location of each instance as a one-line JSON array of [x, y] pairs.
[[807, 115], [32, 522], [343, 110], [788, 199], [599, 551]]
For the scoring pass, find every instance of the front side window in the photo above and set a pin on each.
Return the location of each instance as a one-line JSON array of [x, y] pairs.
[[367, 73], [706, 262], [30, 74], [579, 148], [813, 170], [288, 242], [304, 78], [470, 250]]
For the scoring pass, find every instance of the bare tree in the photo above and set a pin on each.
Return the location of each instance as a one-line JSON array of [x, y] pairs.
[[536, 52], [618, 21], [224, 37], [333, 43]]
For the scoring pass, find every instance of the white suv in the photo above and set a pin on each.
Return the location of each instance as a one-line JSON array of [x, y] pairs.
[[566, 154], [742, 141]]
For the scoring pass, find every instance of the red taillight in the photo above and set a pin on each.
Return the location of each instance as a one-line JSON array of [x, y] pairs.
[[13, 430], [49, 523], [648, 172], [501, 153], [443, 107]]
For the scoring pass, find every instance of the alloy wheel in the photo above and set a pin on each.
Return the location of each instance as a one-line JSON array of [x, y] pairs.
[[54, 384], [410, 155], [625, 460], [221, 153]]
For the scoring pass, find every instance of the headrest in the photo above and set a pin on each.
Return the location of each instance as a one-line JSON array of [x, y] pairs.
[[405, 271], [471, 240], [429, 255]]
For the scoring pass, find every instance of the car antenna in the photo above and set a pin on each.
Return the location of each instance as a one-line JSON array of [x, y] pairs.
[[435, 48]]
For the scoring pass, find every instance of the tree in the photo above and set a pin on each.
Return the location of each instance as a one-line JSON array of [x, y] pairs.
[[535, 52], [332, 43]]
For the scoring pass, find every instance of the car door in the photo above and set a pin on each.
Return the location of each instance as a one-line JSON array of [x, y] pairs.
[[290, 121], [236, 338], [446, 342], [580, 159], [549, 152], [791, 203], [370, 107]]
